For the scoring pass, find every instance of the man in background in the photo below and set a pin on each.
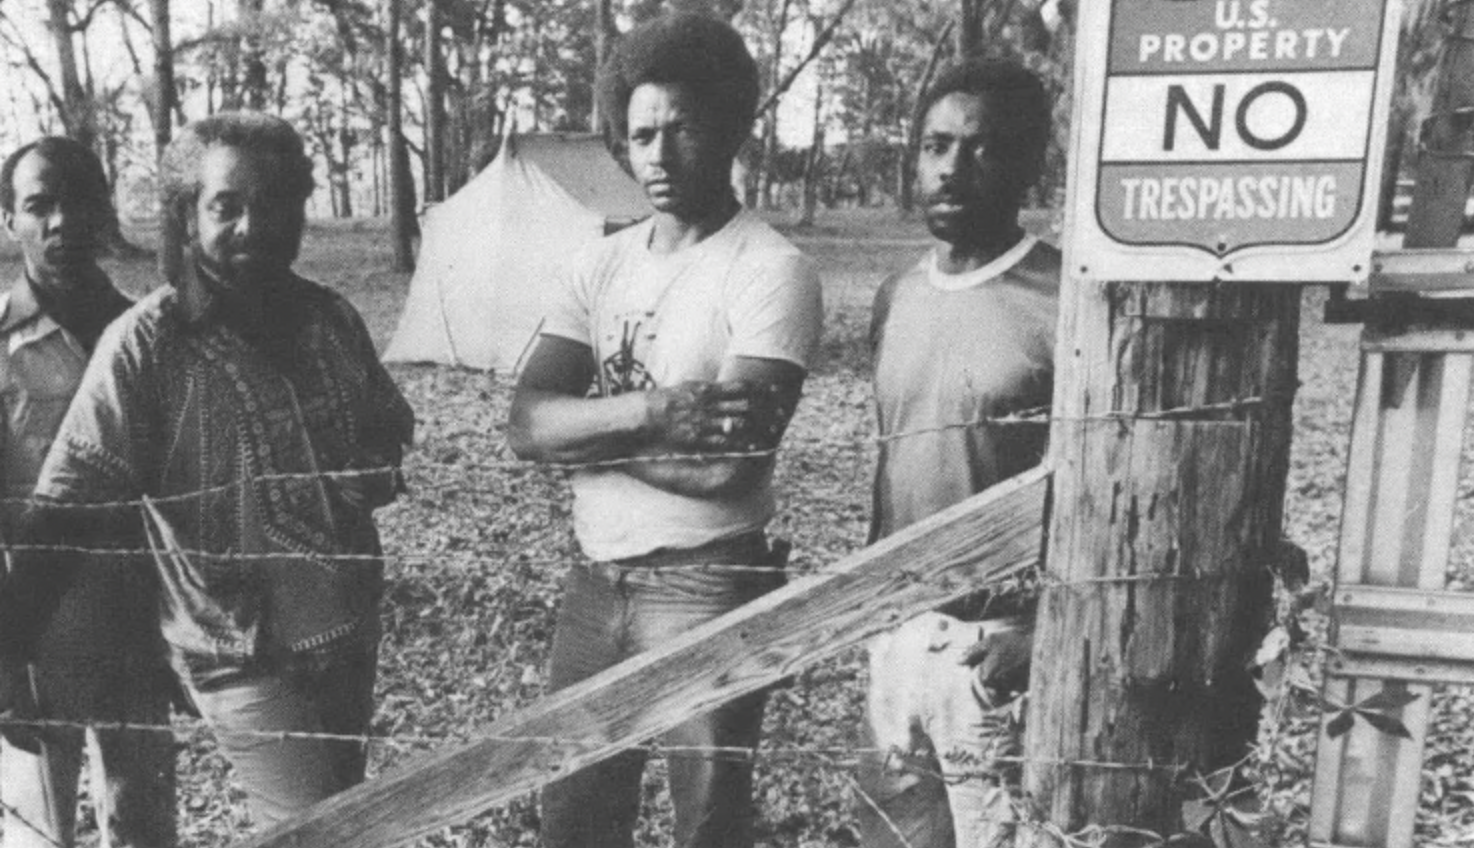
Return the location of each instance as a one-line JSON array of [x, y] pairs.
[[99, 659], [961, 340]]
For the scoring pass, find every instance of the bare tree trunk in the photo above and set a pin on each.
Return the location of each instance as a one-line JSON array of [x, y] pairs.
[[212, 75], [434, 106], [77, 116], [769, 152], [401, 190], [816, 158], [254, 87], [171, 239], [604, 34], [970, 27], [343, 174]]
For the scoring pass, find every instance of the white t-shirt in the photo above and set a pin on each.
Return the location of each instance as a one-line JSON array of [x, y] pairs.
[[657, 320]]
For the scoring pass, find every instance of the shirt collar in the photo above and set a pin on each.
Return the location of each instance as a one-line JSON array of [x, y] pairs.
[[21, 306], [24, 322], [994, 269]]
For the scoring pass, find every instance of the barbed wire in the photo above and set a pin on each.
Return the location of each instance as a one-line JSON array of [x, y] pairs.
[[652, 747], [1044, 577], [1037, 415], [846, 757]]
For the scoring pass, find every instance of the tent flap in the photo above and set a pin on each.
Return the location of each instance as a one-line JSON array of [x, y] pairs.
[[489, 254]]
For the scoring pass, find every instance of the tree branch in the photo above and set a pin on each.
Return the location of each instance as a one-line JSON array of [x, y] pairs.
[[85, 19], [820, 42], [34, 64], [127, 8]]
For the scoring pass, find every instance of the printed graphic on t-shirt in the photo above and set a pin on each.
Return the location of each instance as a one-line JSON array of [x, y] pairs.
[[624, 370]]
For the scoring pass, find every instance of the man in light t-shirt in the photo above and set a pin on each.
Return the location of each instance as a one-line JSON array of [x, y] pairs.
[[962, 339], [687, 335]]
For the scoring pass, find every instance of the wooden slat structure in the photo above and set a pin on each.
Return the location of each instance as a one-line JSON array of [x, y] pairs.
[[1392, 626], [993, 536]]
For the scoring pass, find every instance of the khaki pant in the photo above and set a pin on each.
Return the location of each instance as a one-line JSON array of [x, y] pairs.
[[935, 781]]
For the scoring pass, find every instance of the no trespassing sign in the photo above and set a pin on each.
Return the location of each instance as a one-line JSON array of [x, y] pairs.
[[1228, 139]]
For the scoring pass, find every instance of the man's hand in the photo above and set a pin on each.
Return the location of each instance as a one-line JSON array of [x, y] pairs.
[[732, 416], [1000, 661], [17, 703]]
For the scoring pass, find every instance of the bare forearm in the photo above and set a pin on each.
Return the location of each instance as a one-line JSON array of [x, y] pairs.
[[547, 426], [714, 477], [552, 420]]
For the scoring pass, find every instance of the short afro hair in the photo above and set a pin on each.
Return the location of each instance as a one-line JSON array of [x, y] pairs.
[[682, 48], [1018, 92], [268, 135], [72, 157]]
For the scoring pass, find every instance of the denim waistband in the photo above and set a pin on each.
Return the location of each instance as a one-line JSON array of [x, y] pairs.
[[747, 549]]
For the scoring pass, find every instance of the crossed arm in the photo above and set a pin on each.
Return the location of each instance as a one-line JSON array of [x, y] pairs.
[[744, 411]]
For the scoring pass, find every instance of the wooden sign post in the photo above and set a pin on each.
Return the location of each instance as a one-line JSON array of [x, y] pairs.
[[1220, 150], [1164, 525]]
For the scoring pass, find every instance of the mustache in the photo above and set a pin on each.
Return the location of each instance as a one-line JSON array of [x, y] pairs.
[[951, 196], [255, 249], [69, 241]]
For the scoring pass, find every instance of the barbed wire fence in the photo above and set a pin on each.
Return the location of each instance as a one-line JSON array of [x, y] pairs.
[[425, 478]]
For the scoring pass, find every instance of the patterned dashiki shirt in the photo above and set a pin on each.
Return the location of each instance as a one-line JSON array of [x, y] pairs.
[[232, 448]]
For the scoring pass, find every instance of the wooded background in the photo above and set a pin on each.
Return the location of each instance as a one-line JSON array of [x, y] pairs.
[[437, 80], [120, 74]]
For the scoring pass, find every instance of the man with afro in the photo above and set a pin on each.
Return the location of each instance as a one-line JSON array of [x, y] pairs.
[[668, 370], [961, 340]]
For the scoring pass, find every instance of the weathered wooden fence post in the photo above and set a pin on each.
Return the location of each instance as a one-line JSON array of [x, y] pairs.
[[1208, 176], [1158, 583]]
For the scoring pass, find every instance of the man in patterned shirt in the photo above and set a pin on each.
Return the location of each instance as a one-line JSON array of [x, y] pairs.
[[245, 409]]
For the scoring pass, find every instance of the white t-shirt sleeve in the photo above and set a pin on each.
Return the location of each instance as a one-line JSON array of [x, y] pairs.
[[778, 312], [568, 310]]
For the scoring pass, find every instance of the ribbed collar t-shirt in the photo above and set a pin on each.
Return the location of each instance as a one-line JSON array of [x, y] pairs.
[[953, 352]]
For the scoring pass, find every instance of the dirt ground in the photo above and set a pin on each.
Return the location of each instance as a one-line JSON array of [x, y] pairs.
[[477, 549]]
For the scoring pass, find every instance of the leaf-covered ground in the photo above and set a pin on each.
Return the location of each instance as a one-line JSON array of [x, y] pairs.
[[481, 542]]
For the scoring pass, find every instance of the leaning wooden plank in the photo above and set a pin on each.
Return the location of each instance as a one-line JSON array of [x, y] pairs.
[[993, 536]]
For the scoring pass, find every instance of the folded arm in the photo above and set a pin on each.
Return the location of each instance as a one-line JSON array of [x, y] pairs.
[[744, 411]]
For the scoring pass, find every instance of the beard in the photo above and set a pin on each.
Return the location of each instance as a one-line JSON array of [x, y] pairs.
[[240, 273], [258, 298]]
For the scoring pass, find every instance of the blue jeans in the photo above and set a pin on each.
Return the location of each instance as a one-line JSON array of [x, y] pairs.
[[613, 611], [284, 776]]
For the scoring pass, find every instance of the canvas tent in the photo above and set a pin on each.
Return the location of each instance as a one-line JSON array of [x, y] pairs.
[[488, 254]]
